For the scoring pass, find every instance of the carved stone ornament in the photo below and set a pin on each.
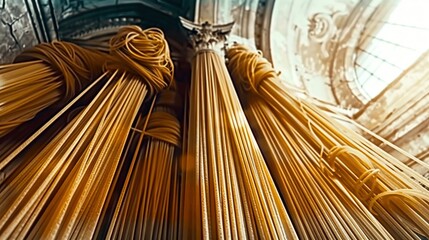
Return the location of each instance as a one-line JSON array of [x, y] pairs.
[[322, 29], [206, 35]]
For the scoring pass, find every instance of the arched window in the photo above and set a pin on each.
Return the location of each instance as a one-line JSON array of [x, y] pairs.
[[390, 44]]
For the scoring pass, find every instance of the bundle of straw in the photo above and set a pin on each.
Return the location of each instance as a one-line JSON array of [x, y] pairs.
[[332, 154]]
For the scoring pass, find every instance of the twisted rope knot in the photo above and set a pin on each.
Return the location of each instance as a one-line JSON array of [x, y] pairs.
[[77, 65], [250, 68], [144, 53]]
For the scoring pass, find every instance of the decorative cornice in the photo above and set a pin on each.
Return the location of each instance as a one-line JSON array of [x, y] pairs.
[[206, 35], [97, 27]]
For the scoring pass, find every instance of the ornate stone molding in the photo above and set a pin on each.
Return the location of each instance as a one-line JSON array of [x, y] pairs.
[[323, 29], [342, 70], [43, 19], [97, 27], [206, 35]]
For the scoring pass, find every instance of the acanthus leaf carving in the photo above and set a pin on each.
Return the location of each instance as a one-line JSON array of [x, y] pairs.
[[206, 35]]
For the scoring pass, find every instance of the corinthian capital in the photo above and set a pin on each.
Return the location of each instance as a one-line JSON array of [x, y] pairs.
[[206, 35]]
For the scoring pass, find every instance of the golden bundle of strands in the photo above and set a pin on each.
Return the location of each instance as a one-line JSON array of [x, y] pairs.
[[227, 190], [148, 203], [63, 191], [42, 76], [336, 184]]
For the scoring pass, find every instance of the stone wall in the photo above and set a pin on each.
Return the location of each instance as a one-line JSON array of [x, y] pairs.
[[17, 31]]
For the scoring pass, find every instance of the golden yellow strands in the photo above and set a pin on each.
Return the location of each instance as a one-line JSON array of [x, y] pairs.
[[394, 193], [228, 191], [319, 208], [61, 193], [148, 204], [42, 76]]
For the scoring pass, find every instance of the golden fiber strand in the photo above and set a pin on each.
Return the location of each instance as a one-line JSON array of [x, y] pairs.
[[228, 190], [56, 152], [11, 149], [63, 190], [394, 193], [319, 209], [147, 207], [121, 203], [42, 76]]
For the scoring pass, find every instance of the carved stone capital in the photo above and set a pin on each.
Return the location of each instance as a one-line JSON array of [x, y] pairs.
[[206, 35]]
